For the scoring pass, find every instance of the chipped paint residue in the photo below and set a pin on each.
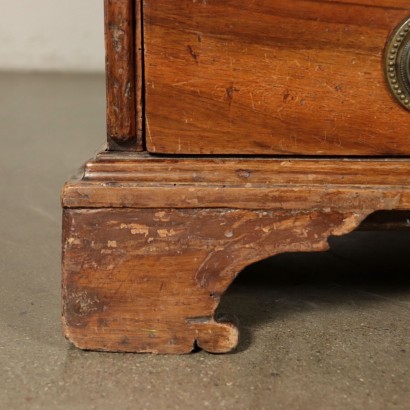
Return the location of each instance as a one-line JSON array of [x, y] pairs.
[[117, 37], [228, 234], [165, 233], [112, 244], [350, 222], [136, 229], [301, 231], [85, 303], [150, 330], [162, 216]]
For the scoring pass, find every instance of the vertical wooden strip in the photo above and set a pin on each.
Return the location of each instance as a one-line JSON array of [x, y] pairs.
[[120, 74], [139, 74]]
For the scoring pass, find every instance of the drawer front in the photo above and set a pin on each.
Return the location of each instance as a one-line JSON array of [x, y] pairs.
[[272, 77]]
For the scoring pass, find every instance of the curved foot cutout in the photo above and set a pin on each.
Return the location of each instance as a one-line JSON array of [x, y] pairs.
[[151, 280], [217, 337]]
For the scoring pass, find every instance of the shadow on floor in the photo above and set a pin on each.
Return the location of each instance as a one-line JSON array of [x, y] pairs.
[[359, 269]]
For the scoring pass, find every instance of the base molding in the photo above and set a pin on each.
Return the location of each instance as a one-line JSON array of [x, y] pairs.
[[151, 244]]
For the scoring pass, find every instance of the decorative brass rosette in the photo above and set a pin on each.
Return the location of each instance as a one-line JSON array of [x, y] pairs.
[[397, 63]]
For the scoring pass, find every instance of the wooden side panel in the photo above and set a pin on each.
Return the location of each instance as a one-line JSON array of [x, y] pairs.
[[272, 77], [123, 97]]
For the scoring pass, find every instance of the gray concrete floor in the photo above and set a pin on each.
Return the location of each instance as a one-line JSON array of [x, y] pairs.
[[319, 331]]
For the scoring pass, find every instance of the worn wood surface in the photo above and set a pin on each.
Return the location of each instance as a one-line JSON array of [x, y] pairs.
[[145, 269], [150, 280], [151, 244], [272, 77], [144, 181], [140, 75], [123, 97]]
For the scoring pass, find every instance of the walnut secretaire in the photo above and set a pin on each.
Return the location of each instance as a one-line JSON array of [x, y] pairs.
[[237, 130]]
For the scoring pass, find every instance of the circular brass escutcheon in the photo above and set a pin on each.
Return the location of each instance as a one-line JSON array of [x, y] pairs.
[[397, 64]]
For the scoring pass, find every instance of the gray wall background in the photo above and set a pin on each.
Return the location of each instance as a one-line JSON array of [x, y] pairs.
[[52, 35]]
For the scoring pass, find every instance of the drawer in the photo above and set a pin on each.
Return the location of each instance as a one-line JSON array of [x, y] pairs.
[[272, 77]]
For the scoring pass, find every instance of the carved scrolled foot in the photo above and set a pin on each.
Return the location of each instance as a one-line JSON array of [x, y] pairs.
[[149, 280], [216, 336]]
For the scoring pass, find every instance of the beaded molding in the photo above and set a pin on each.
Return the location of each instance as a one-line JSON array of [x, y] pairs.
[[397, 64]]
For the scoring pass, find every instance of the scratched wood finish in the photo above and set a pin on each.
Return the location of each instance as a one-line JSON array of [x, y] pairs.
[[150, 280], [122, 74], [151, 244], [272, 77], [140, 77], [144, 181]]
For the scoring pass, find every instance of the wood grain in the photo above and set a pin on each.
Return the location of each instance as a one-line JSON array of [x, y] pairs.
[[120, 44], [150, 280], [272, 77], [139, 74], [144, 181], [151, 244]]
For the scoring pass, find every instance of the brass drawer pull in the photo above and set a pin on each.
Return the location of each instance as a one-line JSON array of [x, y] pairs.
[[397, 63]]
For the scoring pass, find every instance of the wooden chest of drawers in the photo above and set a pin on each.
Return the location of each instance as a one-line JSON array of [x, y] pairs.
[[237, 130]]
